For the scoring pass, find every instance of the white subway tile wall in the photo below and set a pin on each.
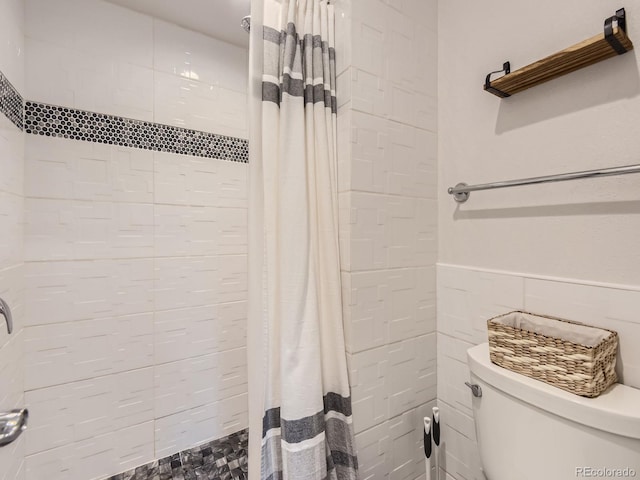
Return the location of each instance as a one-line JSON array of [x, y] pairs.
[[11, 222], [90, 55], [391, 231], [195, 89], [84, 79], [184, 102], [88, 171], [468, 297], [115, 293], [91, 458], [195, 331], [188, 54], [73, 412], [388, 306], [12, 465], [135, 332], [12, 58], [387, 175], [394, 446], [12, 178], [116, 61], [66, 352], [184, 429], [391, 380], [186, 180]]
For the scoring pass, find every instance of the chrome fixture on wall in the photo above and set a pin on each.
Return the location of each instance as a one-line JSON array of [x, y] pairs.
[[476, 390], [5, 311], [246, 23], [12, 424], [462, 191]]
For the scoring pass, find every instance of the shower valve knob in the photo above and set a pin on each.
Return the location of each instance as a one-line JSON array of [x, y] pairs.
[[12, 424], [5, 311]]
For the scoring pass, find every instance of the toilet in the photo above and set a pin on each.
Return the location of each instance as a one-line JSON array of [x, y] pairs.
[[528, 430]]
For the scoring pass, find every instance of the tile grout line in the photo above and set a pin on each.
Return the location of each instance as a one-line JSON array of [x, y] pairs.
[[398, 415], [534, 276], [394, 343]]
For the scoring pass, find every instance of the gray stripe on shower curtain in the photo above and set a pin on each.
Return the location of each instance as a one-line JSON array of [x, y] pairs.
[[339, 465], [295, 431], [334, 427], [317, 53]]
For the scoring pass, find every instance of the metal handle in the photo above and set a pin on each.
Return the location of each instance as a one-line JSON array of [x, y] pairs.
[[5, 311], [475, 389], [12, 424]]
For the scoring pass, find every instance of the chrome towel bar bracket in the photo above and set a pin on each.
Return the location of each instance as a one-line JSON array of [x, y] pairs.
[[462, 191]]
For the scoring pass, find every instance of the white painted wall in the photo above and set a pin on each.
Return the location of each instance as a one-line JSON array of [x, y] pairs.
[[135, 260], [386, 54], [12, 235], [569, 249], [584, 229]]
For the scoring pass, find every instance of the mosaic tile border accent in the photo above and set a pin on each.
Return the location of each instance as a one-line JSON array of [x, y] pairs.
[[11, 102], [56, 121], [222, 459], [63, 122]]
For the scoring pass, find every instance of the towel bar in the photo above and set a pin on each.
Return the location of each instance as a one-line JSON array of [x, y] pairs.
[[462, 191]]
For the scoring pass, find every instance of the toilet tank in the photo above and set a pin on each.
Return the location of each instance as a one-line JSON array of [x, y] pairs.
[[528, 430]]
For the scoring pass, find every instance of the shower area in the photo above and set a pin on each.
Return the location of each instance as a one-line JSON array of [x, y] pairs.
[[124, 150], [124, 194]]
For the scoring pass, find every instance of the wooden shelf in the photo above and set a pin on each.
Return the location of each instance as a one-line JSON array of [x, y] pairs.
[[580, 55]]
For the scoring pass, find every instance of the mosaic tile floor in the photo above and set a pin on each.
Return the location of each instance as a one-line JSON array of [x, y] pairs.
[[223, 459]]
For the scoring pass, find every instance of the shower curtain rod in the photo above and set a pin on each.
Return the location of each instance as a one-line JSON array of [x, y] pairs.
[[462, 191]]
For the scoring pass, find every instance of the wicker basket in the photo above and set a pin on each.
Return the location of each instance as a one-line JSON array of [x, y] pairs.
[[569, 355]]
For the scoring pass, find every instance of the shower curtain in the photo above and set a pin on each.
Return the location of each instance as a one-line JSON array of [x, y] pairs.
[[295, 287]]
